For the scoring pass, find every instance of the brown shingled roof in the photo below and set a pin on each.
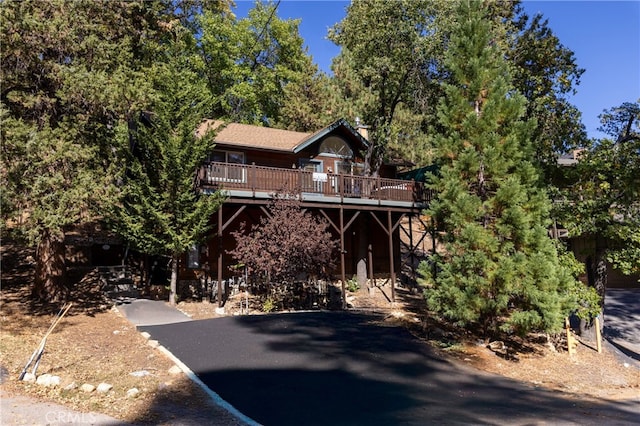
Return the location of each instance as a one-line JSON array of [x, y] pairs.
[[245, 135]]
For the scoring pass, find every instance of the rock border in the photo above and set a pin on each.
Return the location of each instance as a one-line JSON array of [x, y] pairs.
[[215, 398]]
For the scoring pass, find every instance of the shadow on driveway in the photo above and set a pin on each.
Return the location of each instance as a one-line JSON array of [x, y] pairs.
[[325, 368], [622, 320]]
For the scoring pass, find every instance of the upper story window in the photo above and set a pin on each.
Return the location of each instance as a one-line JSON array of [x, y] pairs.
[[222, 173], [233, 157], [334, 145], [349, 168]]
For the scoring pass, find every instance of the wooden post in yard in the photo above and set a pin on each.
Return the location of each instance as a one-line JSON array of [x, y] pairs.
[[571, 341], [598, 335]]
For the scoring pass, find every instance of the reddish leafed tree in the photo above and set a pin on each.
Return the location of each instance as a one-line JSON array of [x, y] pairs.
[[286, 243]]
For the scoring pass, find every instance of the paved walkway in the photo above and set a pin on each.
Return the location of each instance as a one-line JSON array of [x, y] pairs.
[[141, 312]]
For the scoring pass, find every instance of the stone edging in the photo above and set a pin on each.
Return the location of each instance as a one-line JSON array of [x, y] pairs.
[[217, 399]]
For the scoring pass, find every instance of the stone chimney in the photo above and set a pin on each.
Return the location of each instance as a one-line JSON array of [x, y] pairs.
[[362, 129]]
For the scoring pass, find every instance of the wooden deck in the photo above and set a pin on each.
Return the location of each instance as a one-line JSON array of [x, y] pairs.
[[259, 180]]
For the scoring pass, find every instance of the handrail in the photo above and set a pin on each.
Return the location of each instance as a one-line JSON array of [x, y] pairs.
[[254, 178]]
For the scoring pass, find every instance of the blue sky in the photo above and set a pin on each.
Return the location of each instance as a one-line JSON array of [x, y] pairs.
[[604, 35]]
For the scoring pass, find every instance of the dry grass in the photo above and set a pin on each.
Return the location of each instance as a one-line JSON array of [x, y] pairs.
[[93, 344]]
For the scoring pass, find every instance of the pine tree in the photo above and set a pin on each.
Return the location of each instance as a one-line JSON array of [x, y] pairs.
[[161, 211], [249, 62], [498, 270], [69, 78]]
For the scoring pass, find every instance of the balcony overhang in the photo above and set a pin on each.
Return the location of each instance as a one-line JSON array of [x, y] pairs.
[[253, 184]]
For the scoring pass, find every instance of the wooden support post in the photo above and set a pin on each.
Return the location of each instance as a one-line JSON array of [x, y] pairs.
[[362, 232], [392, 267], [372, 282], [220, 250], [412, 251], [598, 335], [343, 274]]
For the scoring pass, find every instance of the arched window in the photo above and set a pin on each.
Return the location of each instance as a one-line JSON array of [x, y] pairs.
[[335, 146]]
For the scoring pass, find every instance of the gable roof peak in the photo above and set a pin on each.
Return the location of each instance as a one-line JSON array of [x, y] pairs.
[[269, 138]]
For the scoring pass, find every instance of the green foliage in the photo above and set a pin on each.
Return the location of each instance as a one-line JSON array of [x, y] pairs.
[[603, 197], [44, 174], [391, 66], [388, 60], [161, 211], [68, 86], [352, 284], [498, 270], [62, 108], [545, 72], [310, 102], [269, 305], [248, 63]]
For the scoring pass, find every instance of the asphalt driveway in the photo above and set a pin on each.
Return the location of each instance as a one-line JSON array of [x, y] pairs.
[[342, 368], [622, 320]]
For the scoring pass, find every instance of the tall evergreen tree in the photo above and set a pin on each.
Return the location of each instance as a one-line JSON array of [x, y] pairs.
[[388, 60], [161, 211], [74, 75], [67, 73], [249, 62], [498, 270], [390, 68], [545, 72]]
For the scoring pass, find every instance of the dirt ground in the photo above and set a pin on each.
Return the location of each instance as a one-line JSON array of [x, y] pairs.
[[92, 344], [95, 344]]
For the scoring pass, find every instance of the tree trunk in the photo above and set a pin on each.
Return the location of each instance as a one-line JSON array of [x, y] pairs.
[[174, 279], [597, 278], [49, 282], [600, 270], [597, 269]]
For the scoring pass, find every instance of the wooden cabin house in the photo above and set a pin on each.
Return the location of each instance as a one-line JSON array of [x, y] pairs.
[[250, 164]]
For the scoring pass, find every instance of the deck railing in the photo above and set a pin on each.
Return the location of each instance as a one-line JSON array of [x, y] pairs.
[[270, 179]]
